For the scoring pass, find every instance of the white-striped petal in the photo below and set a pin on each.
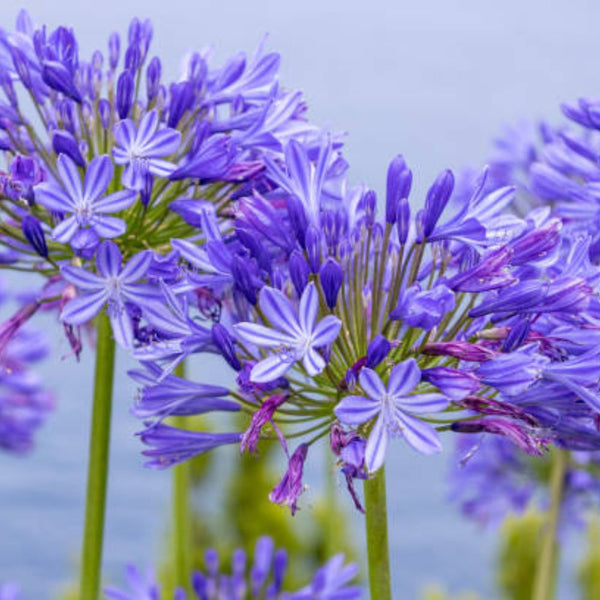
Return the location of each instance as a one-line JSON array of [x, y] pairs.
[[376, 446], [356, 410], [269, 369]]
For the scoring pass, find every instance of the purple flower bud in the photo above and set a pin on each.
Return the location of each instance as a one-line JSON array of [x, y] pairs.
[[133, 58], [299, 271], [515, 432], [243, 279], [403, 220], [124, 101], [331, 275], [516, 336], [399, 182], [153, 73], [114, 49], [489, 406], [263, 557], [462, 350], [260, 418], [59, 78], [280, 563], [66, 112], [313, 248], [298, 219], [182, 98], [225, 344], [32, 230], [21, 65], [437, 198], [454, 383], [9, 89], [379, 347], [104, 110], [11, 326], [146, 38], [64, 143], [289, 489]]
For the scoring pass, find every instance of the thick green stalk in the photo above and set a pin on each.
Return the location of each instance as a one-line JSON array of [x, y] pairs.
[[91, 554], [182, 518], [380, 583], [545, 575]]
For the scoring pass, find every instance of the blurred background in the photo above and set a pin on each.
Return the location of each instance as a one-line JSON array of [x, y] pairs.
[[432, 80]]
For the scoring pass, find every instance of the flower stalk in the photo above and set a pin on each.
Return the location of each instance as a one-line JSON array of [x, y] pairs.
[[546, 572], [91, 555], [380, 583], [182, 517]]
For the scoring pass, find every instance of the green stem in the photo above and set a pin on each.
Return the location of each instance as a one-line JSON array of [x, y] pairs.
[[182, 518], [91, 555], [377, 537], [545, 575]]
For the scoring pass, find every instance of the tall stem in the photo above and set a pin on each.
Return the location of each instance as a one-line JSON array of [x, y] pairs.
[[545, 575], [91, 554], [182, 522], [377, 537]]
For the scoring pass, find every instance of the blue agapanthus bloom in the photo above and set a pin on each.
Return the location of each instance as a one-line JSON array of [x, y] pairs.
[[264, 578]]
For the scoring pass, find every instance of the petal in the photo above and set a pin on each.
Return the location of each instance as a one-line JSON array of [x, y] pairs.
[[309, 306], [120, 156], [420, 435], [146, 130], [84, 308], [404, 377], [81, 278], [71, 180], [313, 362], [125, 133], [133, 178], [97, 178], [269, 369], [326, 331], [65, 230], [115, 202], [253, 333], [279, 310], [422, 404], [122, 327], [137, 266], [108, 227], [108, 259], [160, 168], [53, 198], [163, 143], [299, 169], [371, 383], [159, 316], [356, 410], [376, 446]]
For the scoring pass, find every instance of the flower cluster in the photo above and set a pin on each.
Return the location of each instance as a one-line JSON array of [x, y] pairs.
[[344, 326], [24, 402], [264, 579], [492, 479]]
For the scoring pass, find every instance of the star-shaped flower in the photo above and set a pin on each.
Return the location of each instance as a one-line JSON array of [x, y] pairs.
[[295, 336], [395, 407]]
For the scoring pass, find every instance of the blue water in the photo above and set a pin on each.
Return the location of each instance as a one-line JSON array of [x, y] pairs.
[[434, 80]]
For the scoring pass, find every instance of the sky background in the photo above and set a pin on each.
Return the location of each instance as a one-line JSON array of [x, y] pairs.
[[434, 81]]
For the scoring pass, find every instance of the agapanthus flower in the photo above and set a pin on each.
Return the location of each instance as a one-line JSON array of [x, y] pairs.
[[263, 578]]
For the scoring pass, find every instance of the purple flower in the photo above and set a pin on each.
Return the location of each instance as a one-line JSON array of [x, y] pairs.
[[394, 409], [170, 445], [295, 335], [142, 586], [85, 203], [289, 489], [113, 284], [141, 149], [260, 418]]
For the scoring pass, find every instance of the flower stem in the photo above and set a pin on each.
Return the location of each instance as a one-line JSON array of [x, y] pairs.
[[545, 575], [182, 521], [377, 537], [91, 555]]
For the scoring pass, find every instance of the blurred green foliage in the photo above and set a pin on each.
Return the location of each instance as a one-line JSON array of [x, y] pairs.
[[589, 569]]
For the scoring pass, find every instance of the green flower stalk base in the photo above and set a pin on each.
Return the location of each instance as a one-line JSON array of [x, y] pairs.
[[182, 521], [545, 576], [91, 555], [380, 583]]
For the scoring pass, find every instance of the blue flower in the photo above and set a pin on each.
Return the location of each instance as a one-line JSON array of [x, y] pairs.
[[296, 336], [394, 407], [86, 204], [141, 149], [113, 284]]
